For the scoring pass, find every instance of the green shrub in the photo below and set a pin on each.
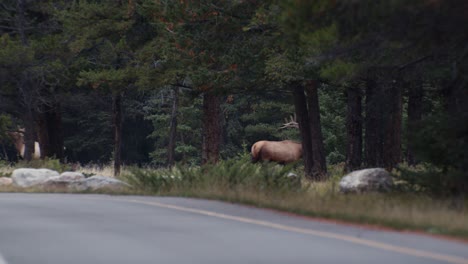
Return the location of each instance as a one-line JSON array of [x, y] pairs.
[[233, 174], [428, 178]]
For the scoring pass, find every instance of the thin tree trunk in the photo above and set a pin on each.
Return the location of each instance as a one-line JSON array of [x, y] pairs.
[[415, 96], [373, 134], [302, 118], [353, 128], [56, 132], [43, 133], [117, 121], [393, 117], [29, 135], [211, 128], [173, 128], [318, 149]]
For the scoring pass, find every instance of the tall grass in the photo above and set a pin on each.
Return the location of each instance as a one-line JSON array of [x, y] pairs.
[[267, 185]]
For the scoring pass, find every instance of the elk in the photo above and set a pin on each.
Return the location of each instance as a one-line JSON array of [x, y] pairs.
[[282, 152], [18, 141]]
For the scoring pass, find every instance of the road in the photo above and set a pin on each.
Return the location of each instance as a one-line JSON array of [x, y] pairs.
[[94, 229]]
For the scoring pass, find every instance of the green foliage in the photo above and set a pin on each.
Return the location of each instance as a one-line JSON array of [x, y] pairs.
[[233, 174], [332, 115], [441, 142], [158, 110], [338, 71], [5, 125]]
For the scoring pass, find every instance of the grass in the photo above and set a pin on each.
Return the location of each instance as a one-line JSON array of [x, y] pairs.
[[265, 185]]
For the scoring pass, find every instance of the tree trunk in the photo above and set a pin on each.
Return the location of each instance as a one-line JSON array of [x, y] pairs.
[[50, 133], [353, 128], [173, 128], [117, 122], [373, 138], [393, 126], [211, 128], [383, 118], [56, 132], [302, 118], [29, 135], [43, 133], [415, 96], [21, 21], [318, 149]]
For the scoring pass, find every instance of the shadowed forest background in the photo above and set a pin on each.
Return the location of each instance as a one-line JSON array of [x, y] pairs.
[[154, 83]]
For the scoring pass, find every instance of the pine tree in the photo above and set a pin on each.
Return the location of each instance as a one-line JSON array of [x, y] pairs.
[[105, 52]]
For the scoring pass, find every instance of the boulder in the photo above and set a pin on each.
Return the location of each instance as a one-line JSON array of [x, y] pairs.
[[98, 182], [31, 177], [5, 181], [63, 181], [71, 176], [367, 180]]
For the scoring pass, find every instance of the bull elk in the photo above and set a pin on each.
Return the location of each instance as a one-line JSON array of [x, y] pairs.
[[18, 141], [282, 152]]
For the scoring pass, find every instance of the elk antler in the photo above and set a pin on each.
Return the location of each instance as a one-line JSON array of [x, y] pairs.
[[292, 123]]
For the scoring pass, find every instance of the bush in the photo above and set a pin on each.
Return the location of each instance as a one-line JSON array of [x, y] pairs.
[[428, 178], [233, 174], [441, 141]]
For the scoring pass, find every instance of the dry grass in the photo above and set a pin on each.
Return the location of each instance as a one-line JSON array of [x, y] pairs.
[[398, 211], [104, 170]]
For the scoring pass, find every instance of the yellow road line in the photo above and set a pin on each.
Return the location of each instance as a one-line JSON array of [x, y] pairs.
[[355, 240]]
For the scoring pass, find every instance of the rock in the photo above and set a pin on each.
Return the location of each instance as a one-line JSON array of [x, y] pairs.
[[63, 181], [71, 176], [5, 181], [67, 181], [31, 177], [98, 182], [375, 179]]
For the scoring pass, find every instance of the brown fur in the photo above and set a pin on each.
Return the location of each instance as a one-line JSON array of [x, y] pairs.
[[283, 152], [18, 141]]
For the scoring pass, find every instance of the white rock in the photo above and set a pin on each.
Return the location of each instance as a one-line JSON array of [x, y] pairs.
[[63, 181], [375, 179], [30, 177], [98, 182], [4, 181], [71, 176]]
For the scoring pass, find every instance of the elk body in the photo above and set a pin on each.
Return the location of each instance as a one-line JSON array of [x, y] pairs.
[[282, 152], [18, 141]]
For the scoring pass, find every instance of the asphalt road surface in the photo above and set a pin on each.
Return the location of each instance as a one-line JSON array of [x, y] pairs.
[[88, 229]]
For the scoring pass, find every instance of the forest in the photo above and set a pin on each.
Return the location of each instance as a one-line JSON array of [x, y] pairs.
[[154, 83]]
